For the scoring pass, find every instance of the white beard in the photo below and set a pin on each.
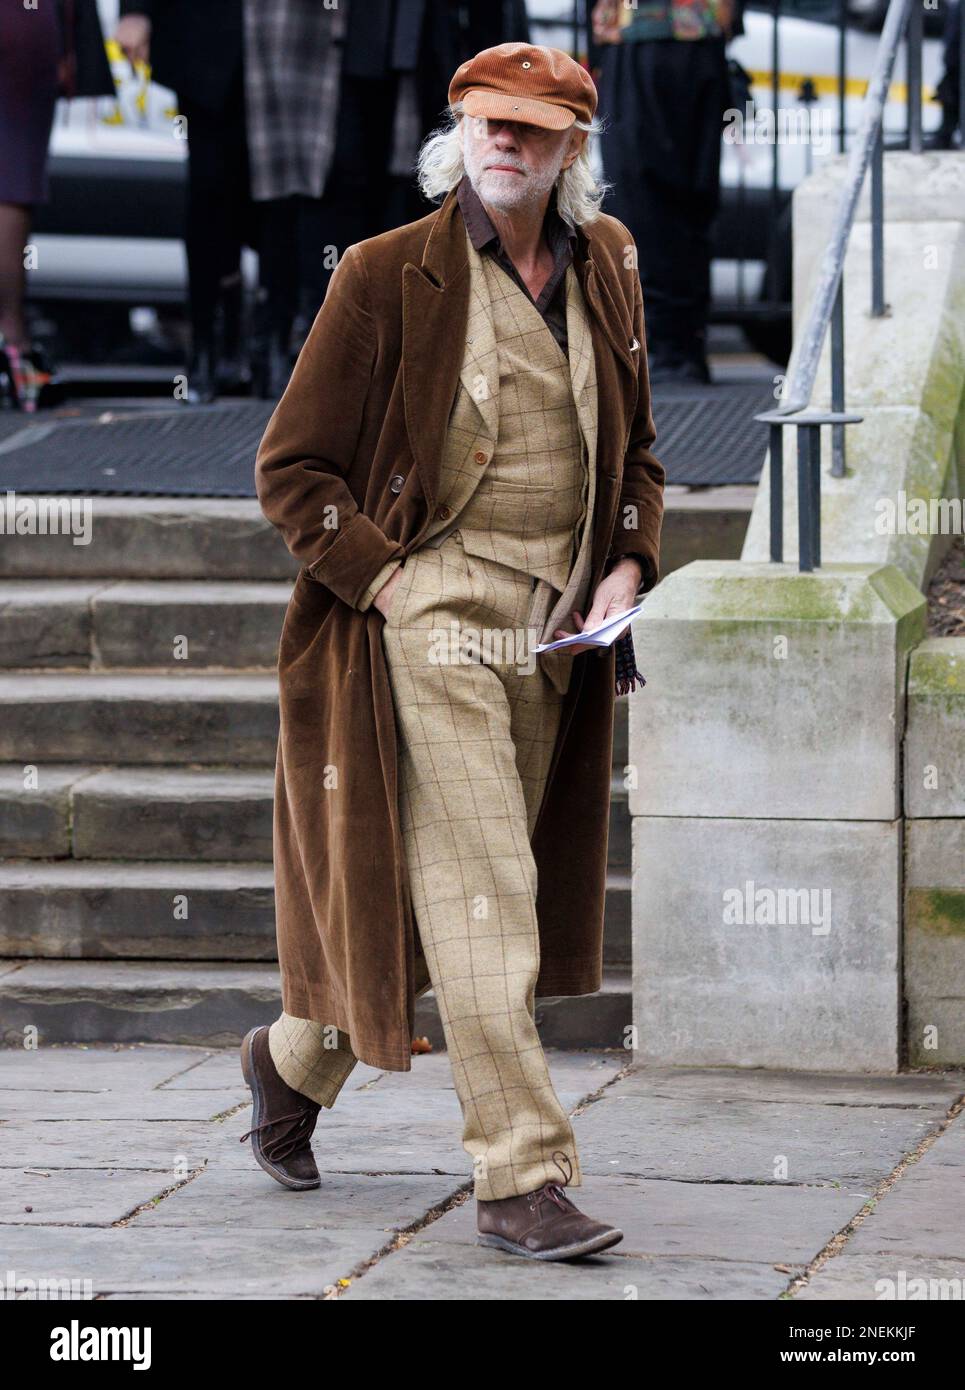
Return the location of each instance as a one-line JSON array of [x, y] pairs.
[[508, 192]]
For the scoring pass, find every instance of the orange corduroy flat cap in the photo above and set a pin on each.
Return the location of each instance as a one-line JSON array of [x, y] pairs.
[[525, 82]]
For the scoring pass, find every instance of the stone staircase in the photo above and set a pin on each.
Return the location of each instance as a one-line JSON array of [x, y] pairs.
[[138, 719]]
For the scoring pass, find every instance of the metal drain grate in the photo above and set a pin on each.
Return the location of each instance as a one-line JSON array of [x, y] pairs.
[[705, 435], [197, 451]]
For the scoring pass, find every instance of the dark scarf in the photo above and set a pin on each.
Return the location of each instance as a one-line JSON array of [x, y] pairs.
[[626, 662]]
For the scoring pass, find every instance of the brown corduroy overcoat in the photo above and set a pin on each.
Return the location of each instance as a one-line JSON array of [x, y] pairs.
[[349, 472]]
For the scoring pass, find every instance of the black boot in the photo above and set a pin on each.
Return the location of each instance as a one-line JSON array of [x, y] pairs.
[[232, 372], [202, 386]]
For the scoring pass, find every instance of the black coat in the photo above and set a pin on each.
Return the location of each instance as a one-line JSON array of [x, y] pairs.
[[88, 71], [397, 35], [196, 46]]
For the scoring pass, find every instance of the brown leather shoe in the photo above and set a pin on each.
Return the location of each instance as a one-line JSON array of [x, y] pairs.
[[284, 1120], [542, 1225]]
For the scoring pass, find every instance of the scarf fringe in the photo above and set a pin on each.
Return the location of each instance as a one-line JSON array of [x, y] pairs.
[[627, 675]]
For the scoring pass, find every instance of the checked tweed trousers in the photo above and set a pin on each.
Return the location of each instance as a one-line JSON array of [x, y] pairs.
[[475, 742]]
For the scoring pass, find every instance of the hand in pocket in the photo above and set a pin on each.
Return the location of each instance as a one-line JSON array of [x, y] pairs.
[[383, 599]]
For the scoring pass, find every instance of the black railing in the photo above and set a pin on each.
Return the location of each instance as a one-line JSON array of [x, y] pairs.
[[904, 19]]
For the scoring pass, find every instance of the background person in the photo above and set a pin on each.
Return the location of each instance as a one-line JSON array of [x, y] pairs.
[[45, 52], [663, 92], [197, 50], [360, 110]]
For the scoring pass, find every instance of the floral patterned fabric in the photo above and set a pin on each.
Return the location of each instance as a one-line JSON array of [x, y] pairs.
[[617, 21]]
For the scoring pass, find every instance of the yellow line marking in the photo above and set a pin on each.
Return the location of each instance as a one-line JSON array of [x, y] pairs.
[[827, 85]]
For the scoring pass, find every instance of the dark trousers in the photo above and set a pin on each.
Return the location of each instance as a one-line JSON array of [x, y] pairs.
[[298, 234], [664, 102], [219, 209]]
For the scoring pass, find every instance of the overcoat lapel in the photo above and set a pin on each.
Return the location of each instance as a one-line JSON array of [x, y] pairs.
[[435, 308], [602, 305]]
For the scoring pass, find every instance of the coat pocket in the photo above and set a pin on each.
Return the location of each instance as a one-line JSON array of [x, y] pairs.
[[390, 619]]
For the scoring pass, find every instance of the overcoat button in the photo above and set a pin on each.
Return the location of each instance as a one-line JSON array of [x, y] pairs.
[[479, 456], [442, 513], [396, 483]]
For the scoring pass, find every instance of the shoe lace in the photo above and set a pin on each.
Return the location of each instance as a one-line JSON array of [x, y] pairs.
[[553, 1191], [289, 1140]]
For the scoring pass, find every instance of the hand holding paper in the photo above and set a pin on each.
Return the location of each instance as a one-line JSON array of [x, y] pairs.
[[603, 636]]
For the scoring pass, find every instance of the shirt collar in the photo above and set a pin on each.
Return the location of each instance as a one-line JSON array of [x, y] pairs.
[[559, 235]]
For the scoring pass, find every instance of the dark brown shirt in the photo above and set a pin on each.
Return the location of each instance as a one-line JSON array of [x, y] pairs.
[[560, 238]]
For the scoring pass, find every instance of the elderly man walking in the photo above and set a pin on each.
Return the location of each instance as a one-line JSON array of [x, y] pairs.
[[461, 462]]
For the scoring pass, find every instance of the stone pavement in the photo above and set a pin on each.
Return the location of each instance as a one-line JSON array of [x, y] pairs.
[[121, 1165]]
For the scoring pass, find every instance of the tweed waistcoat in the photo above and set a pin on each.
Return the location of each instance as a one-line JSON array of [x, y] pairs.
[[530, 497], [474, 438]]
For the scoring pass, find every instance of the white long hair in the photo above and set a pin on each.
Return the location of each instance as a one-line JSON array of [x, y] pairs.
[[441, 165]]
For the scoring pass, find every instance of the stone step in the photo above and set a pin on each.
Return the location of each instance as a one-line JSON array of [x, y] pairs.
[[91, 909], [166, 538], [88, 909], [227, 719], [137, 813], [100, 624], [215, 1005], [174, 813], [229, 538]]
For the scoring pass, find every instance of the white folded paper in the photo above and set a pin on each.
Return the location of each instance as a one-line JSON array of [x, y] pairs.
[[603, 636]]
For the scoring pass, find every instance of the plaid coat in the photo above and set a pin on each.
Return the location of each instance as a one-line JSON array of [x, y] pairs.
[[349, 471], [292, 59]]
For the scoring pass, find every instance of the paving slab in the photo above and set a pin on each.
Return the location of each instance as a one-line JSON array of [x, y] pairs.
[[89, 1068], [162, 1145], [855, 1278], [426, 1269], [120, 1106], [137, 1259], [924, 1213], [368, 1133], [74, 1197], [575, 1074], [796, 1087], [746, 1140], [227, 1200]]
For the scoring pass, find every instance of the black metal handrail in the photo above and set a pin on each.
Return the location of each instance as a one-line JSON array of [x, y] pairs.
[[904, 18]]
